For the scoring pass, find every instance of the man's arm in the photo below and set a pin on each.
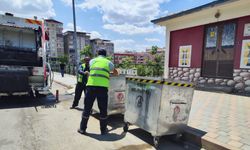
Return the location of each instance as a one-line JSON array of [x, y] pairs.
[[111, 66], [80, 70], [112, 69]]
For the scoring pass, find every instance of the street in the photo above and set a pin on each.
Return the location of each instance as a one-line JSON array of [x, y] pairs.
[[43, 124]]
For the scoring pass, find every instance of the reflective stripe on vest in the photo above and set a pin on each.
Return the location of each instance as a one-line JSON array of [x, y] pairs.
[[103, 69], [99, 75], [79, 78], [99, 72]]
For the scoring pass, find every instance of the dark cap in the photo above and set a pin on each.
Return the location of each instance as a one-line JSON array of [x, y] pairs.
[[102, 52]]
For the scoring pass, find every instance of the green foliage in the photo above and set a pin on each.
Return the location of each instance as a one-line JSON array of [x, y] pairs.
[[154, 50], [158, 65], [127, 63], [153, 67], [110, 58], [63, 59], [141, 70], [86, 51]]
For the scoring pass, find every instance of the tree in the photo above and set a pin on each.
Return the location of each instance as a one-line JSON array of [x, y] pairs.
[[127, 63], [63, 59], [86, 51], [153, 66], [141, 70], [154, 50], [110, 58], [158, 68]]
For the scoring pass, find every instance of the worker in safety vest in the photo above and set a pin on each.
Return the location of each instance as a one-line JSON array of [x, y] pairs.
[[82, 78], [97, 87]]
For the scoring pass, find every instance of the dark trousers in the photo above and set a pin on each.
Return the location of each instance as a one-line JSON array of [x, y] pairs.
[[62, 72], [78, 93], [93, 92]]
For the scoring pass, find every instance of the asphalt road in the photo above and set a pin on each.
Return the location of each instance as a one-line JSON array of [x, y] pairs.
[[44, 124]]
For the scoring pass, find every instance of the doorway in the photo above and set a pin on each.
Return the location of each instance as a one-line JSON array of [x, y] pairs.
[[218, 54]]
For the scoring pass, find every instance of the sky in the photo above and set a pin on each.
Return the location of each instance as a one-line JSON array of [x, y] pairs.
[[127, 23]]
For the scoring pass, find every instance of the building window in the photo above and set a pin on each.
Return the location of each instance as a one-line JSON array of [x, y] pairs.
[[228, 34], [211, 37], [245, 54], [185, 56]]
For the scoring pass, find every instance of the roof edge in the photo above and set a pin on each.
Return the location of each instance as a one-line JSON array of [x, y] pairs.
[[192, 10]]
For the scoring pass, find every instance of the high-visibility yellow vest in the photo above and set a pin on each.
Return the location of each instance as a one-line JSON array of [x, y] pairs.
[[99, 73], [79, 76]]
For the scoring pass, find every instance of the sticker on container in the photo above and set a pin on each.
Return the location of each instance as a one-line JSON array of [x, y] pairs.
[[179, 113], [119, 97], [139, 100], [176, 113]]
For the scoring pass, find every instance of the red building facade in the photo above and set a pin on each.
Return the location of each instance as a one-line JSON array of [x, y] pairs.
[[118, 57], [210, 44]]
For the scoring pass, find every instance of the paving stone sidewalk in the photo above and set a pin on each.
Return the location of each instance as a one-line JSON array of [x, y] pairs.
[[225, 117], [67, 80]]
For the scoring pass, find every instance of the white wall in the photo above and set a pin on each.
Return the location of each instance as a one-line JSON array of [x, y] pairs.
[[132, 72]]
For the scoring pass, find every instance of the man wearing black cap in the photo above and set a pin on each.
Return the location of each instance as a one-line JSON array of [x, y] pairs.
[[97, 87], [82, 78]]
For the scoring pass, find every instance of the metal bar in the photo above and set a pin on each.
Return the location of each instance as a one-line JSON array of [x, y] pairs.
[[75, 36]]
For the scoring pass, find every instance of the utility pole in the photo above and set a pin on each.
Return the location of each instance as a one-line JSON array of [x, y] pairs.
[[75, 36]]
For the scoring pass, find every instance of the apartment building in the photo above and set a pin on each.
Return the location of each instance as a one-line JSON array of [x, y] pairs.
[[98, 44], [55, 46], [118, 57], [142, 57], [136, 57], [160, 51], [83, 39]]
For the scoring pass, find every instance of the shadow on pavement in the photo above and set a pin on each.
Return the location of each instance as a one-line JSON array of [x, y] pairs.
[[136, 147], [11, 102], [114, 121], [107, 137], [193, 135], [166, 141], [78, 108]]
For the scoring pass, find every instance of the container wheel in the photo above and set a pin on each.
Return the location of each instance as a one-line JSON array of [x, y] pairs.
[[156, 141], [125, 127]]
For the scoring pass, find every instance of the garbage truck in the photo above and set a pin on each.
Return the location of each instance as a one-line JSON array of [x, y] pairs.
[[23, 67]]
